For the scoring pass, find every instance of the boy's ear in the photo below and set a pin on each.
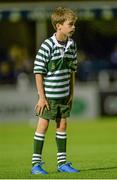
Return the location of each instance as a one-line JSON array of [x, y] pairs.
[[58, 26]]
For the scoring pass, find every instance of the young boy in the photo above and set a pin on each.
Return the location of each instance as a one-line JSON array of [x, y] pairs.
[[54, 66]]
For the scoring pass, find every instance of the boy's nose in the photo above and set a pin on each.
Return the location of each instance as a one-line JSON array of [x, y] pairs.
[[73, 26]]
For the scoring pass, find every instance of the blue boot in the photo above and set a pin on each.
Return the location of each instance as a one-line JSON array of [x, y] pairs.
[[67, 168], [37, 169]]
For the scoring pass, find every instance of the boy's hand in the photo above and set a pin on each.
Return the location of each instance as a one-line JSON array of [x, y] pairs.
[[70, 100], [39, 108]]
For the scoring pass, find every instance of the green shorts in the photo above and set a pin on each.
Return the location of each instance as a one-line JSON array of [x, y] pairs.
[[58, 109]]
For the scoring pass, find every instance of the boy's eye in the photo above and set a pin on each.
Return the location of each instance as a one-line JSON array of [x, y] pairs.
[[71, 24]]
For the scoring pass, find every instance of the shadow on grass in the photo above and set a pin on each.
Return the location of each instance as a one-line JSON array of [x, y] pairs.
[[103, 168]]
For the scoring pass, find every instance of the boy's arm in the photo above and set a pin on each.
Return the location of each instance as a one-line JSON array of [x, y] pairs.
[[72, 81], [42, 102], [40, 70]]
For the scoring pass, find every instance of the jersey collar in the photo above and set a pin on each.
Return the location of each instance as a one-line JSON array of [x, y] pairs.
[[69, 42]]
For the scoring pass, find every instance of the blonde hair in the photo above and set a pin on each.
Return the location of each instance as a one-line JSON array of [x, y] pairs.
[[60, 15]]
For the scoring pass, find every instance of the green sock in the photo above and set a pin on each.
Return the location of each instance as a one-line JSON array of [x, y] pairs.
[[38, 146], [61, 145]]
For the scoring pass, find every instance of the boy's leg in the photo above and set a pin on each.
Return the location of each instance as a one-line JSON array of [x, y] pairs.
[[61, 139], [39, 136]]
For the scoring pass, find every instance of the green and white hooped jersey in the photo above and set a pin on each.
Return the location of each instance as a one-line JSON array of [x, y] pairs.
[[56, 62]]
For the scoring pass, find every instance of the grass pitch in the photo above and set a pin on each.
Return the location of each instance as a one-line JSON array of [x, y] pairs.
[[92, 148]]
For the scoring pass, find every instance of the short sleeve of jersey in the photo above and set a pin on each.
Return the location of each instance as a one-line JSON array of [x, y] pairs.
[[42, 58]]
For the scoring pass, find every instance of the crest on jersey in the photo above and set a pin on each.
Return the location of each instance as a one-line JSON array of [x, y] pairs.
[[53, 66]]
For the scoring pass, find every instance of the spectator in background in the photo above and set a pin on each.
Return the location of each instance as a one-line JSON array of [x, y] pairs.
[[113, 57], [20, 58], [6, 69], [85, 66]]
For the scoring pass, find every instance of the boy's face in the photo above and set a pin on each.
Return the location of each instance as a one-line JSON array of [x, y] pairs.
[[67, 28]]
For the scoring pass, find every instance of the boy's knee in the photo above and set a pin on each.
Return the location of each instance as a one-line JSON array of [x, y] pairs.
[[61, 125], [42, 125]]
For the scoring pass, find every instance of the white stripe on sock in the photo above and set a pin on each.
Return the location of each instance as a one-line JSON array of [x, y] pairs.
[[61, 137], [38, 138], [36, 159], [61, 153], [37, 155], [61, 161], [61, 157], [61, 133], [33, 162], [39, 134]]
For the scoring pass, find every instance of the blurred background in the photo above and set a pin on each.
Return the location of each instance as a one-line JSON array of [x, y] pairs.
[[23, 27], [92, 130]]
